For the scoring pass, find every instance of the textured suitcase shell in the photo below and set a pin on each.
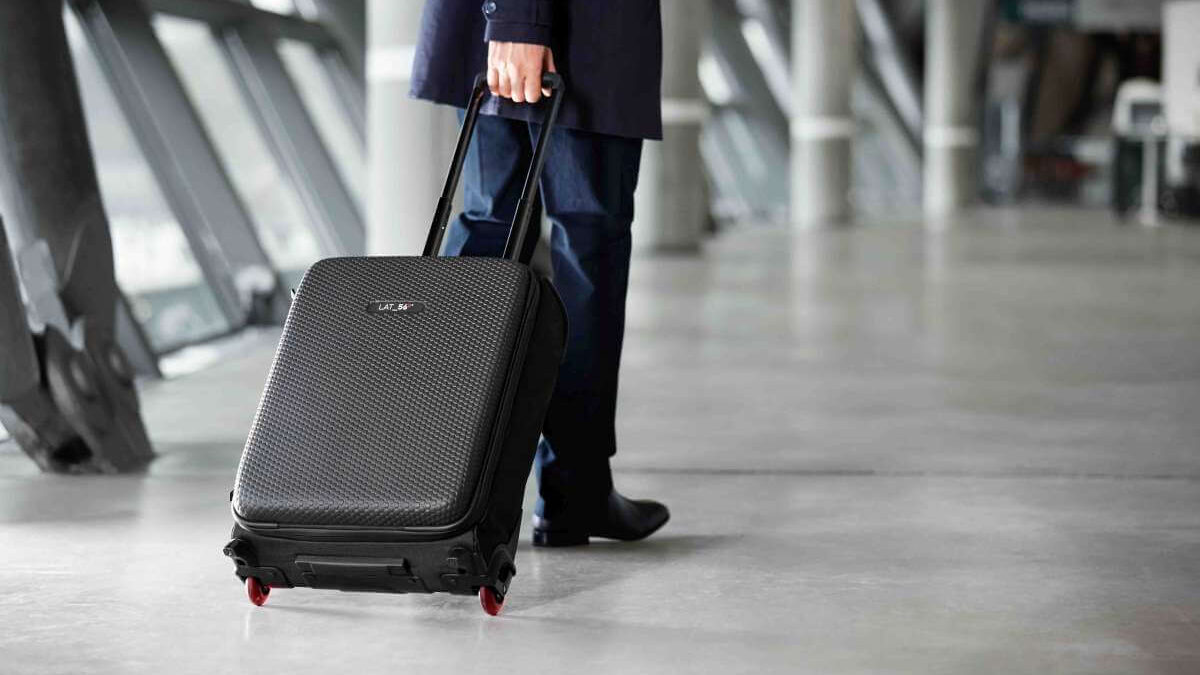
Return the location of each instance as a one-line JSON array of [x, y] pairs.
[[382, 405]]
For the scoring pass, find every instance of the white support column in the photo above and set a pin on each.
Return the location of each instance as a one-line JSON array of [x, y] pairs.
[[953, 30], [824, 63], [409, 142], [671, 205]]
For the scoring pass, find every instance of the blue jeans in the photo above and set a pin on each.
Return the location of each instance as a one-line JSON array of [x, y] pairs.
[[587, 190]]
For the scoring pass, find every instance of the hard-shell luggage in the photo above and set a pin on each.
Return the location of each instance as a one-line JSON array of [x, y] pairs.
[[400, 417]]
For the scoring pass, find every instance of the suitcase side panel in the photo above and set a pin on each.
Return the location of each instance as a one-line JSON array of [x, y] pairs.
[[544, 354]]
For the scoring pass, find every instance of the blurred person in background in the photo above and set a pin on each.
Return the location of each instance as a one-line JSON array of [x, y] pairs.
[[610, 56]]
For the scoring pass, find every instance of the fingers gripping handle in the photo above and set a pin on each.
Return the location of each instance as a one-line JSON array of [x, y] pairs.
[[551, 81], [527, 205], [515, 249]]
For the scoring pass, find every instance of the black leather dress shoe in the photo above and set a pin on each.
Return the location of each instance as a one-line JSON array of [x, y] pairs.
[[619, 518]]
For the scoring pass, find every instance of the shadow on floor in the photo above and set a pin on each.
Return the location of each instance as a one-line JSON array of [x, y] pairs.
[[565, 572]]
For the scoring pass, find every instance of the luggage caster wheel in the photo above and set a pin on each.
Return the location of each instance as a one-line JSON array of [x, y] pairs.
[[492, 602], [257, 591]]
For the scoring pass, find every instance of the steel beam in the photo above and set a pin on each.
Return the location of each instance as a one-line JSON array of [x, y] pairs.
[[745, 143], [27, 409], [893, 67], [345, 64], [19, 367], [47, 180], [347, 21], [293, 137], [134, 342], [346, 68], [81, 412], [179, 151], [224, 12], [351, 92]]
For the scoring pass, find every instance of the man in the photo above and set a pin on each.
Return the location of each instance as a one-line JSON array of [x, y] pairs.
[[610, 55]]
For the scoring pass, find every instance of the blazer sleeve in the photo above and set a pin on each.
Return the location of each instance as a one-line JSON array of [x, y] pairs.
[[526, 21]]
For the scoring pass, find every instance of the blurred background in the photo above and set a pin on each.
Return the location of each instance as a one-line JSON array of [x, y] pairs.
[[911, 346], [923, 108]]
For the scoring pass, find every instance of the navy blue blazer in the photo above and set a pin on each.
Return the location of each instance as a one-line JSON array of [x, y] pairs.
[[608, 51]]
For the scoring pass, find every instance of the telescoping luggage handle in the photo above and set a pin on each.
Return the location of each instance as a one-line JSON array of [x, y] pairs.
[[514, 248]]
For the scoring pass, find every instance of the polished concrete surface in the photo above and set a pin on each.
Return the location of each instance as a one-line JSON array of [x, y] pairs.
[[885, 451]]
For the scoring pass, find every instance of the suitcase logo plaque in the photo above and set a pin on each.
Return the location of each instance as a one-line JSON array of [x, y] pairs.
[[395, 307]]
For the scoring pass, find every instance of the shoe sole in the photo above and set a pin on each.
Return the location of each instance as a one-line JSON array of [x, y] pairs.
[[563, 539], [553, 539]]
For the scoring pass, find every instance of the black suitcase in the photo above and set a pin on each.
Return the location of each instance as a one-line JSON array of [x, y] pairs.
[[400, 417]]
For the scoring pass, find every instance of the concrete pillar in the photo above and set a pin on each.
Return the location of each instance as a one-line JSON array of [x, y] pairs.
[[671, 206], [1181, 68], [953, 30], [824, 63], [408, 142]]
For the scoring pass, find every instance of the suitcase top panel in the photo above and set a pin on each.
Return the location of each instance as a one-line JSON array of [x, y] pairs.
[[380, 404]]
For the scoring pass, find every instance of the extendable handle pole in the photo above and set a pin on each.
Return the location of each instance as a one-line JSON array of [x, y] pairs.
[[514, 248], [441, 216], [528, 203]]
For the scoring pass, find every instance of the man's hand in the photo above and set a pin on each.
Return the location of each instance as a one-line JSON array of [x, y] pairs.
[[515, 70]]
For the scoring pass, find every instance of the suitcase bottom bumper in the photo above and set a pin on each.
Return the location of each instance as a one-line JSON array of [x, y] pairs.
[[453, 565]]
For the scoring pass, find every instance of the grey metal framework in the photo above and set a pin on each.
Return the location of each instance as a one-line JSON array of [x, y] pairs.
[[746, 142], [345, 62], [294, 138], [67, 393], [183, 158]]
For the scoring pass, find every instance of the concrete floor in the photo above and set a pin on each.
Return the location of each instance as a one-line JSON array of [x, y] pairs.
[[885, 452]]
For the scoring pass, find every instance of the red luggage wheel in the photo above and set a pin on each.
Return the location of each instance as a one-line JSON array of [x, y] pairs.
[[257, 591], [491, 602]]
